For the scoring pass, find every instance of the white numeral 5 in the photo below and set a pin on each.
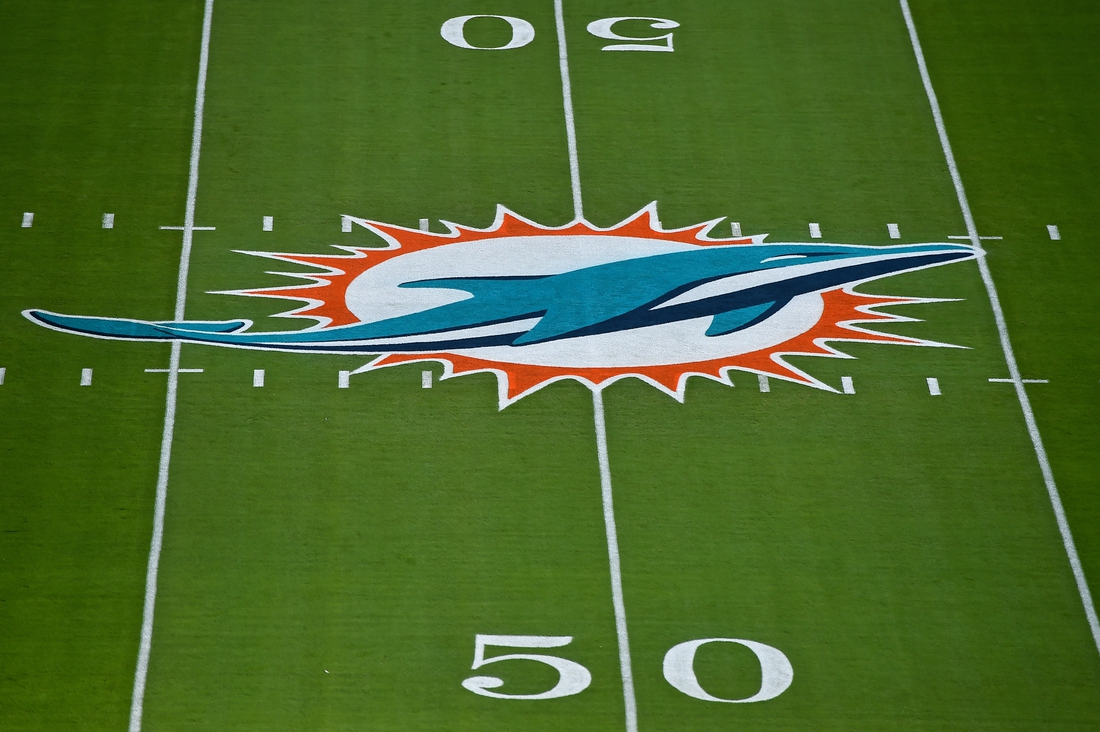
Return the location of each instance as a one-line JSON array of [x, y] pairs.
[[602, 29], [776, 673], [573, 678]]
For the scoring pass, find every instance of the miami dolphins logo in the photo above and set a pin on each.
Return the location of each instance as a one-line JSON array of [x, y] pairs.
[[536, 304]]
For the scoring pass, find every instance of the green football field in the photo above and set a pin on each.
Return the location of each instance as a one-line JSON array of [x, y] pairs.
[[196, 537]]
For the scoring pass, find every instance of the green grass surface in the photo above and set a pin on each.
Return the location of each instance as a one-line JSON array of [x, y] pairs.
[[899, 548]]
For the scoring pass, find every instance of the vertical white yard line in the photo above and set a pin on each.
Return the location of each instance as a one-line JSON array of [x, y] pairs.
[[1006, 345], [613, 558], [145, 645], [629, 701], [567, 99], [193, 170]]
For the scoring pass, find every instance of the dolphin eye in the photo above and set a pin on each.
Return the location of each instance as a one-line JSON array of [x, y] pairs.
[[783, 256]]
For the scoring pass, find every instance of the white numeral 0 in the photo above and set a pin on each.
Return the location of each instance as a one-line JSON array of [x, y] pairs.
[[775, 670], [602, 29], [573, 677], [453, 31]]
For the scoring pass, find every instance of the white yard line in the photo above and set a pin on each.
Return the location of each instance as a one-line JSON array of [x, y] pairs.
[[146, 643], [1006, 346], [629, 700], [613, 559], [567, 99]]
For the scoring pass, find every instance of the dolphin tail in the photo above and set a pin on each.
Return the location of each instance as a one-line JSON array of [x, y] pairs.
[[136, 330]]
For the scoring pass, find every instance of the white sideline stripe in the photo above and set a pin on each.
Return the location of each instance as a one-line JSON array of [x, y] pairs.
[[933, 385], [108, 221], [567, 101], [185, 228], [269, 223], [1053, 232], [1006, 346], [257, 378], [85, 377], [815, 231], [145, 645], [425, 379], [3, 373], [735, 228], [28, 219], [178, 371], [765, 385], [967, 237], [846, 385], [613, 560], [1026, 381], [343, 380], [424, 224], [894, 231]]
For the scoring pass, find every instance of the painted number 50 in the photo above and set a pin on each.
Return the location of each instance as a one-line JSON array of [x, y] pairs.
[[776, 673], [454, 32]]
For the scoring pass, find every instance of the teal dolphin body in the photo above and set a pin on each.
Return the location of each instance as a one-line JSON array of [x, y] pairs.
[[737, 285]]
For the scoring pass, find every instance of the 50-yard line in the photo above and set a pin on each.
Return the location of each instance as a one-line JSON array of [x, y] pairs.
[[145, 644], [567, 100], [629, 700], [1002, 331]]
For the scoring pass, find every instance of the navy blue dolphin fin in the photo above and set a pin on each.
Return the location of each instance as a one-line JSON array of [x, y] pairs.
[[734, 320], [206, 326]]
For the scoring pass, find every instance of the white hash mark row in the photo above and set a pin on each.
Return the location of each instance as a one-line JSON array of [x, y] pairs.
[[346, 222], [427, 379]]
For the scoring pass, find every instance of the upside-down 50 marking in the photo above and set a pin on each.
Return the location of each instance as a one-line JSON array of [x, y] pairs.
[[535, 304]]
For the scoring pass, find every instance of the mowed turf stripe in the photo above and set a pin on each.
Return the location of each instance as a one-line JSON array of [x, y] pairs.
[[94, 113], [1006, 344]]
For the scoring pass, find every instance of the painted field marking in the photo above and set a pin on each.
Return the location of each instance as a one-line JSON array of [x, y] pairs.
[[765, 385], [629, 701], [346, 222], [28, 219], [424, 224], [570, 126], [145, 645], [894, 231], [846, 385], [269, 223], [425, 379], [967, 237], [933, 385], [178, 371], [3, 373], [186, 229], [613, 561], [1002, 332], [735, 227], [257, 378], [815, 231], [85, 377], [1053, 233], [108, 221], [1022, 381], [343, 380]]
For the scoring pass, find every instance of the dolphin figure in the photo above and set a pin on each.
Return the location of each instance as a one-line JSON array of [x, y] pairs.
[[737, 285]]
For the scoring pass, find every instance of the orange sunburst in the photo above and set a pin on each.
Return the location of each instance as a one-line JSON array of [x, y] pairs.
[[326, 299]]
